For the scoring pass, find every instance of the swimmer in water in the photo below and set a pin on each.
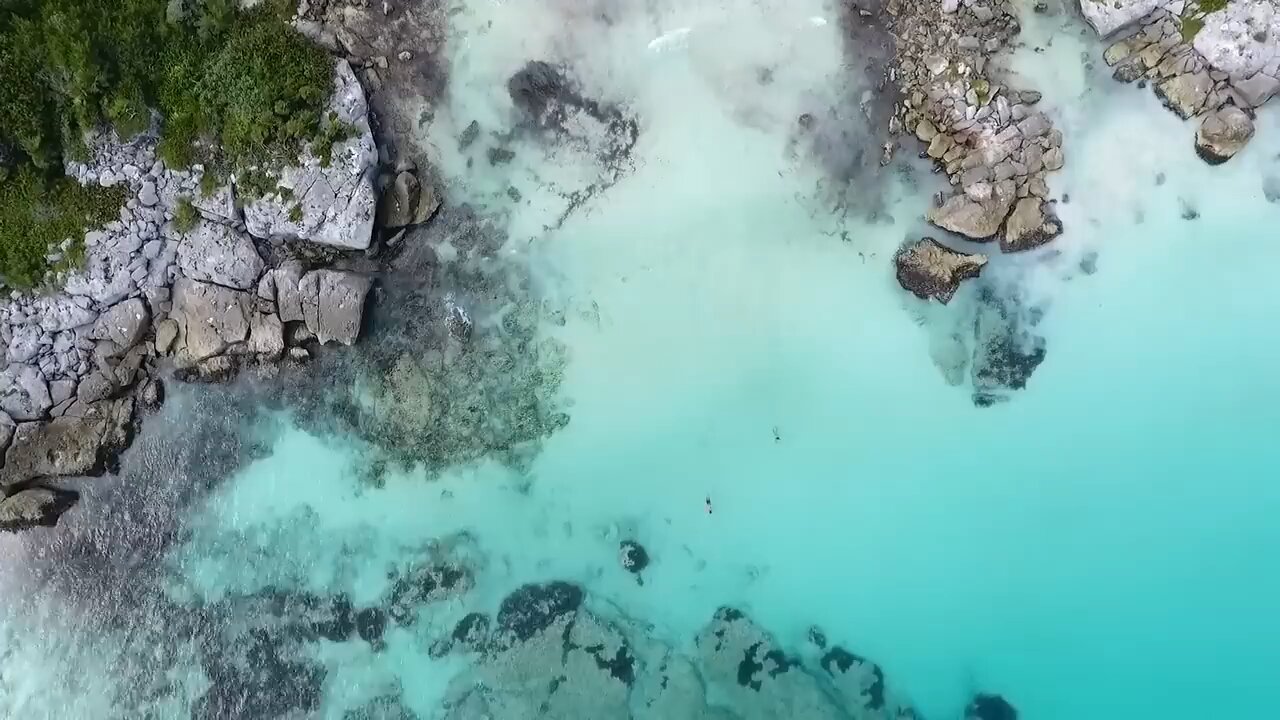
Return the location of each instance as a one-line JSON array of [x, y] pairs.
[[708, 504]]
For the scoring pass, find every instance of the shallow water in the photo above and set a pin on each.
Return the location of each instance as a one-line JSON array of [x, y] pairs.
[[1097, 546]]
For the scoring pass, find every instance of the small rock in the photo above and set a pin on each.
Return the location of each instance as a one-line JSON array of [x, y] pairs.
[[147, 194], [123, 323], [61, 390], [928, 269], [166, 333], [990, 707]]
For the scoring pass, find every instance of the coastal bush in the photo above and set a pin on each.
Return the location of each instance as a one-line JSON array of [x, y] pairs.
[[37, 214], [232, 88], [185, 216]]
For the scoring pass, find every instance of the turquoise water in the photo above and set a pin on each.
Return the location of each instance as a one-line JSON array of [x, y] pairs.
[[1099, 546]]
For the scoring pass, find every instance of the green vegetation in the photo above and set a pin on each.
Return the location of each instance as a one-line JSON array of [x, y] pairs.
[[37, 214], [295, 213], [1193, 15], [185, 216], [232, 88]]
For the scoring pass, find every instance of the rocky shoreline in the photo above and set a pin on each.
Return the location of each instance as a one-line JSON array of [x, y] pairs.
[[194, 281]]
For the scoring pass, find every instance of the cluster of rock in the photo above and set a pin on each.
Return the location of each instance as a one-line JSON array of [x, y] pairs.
[[546, 654], [1219, 62], [992, 142], [227, 286]]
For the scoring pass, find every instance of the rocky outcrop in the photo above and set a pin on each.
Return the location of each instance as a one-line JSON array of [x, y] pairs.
[[993, 144], [34, 507], [1222, 134], [990, 707], [1224, 63], [202, 297], [929, 269], [328, 197]]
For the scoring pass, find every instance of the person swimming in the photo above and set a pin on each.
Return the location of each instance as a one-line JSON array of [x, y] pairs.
[[708, 504]]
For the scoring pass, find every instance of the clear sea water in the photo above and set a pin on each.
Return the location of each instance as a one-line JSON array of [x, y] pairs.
[[1101, 546]]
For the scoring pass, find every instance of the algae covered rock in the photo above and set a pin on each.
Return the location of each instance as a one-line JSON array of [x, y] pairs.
[[930, 269]]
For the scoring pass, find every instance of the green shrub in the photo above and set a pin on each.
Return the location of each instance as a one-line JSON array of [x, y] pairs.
[[185, 216], [37, 214], [234, 89]]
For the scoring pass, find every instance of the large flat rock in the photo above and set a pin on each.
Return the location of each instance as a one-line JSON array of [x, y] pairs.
[[69, 445]]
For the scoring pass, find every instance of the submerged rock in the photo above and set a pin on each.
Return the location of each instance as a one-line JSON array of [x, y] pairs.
[[34, 507], [1006, 351], [632, 556], [928, 269], [1222, 134], [990, 707]]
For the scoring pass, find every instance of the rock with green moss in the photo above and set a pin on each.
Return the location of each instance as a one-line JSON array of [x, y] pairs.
[[331, 203]]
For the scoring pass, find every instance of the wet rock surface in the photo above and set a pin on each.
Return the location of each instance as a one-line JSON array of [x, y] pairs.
[[929, 269], [34, 507]]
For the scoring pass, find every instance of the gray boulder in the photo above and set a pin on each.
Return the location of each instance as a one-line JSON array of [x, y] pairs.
[[209, 317], [24, 394], [333, 304], [1222, 134], [215, 253], [331, 202], [930, 269], [34, 507], [69, 445], [124, 323]]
